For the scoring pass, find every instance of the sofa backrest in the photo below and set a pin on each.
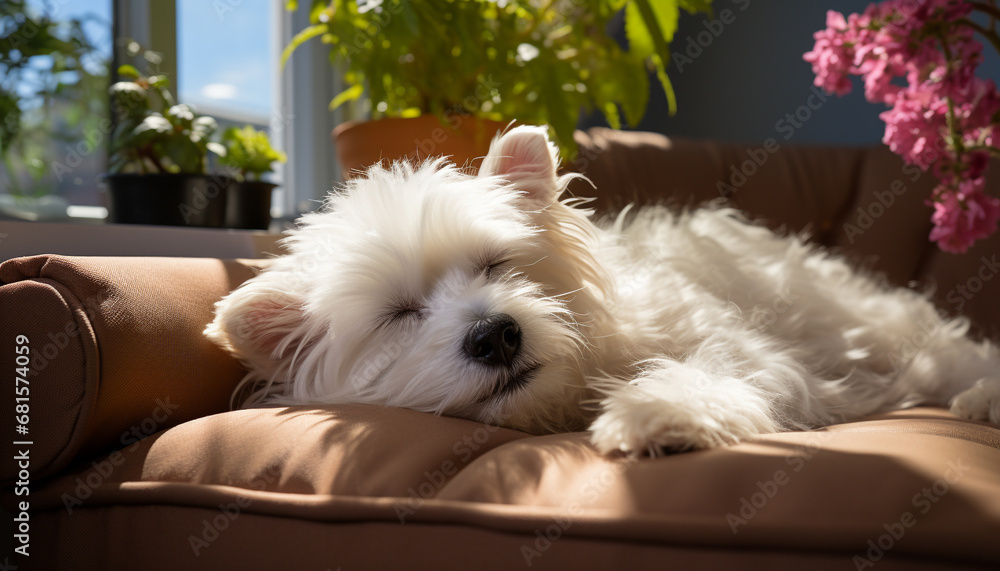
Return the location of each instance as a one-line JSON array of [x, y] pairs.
[[862, 202]]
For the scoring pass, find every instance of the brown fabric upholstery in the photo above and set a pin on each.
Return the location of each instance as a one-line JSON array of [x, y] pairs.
[[324, 487], [160, 537], [116, 349], [826, 493]]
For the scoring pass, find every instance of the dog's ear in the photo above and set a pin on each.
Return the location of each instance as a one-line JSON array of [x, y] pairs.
[[258, 321], [527, 158]]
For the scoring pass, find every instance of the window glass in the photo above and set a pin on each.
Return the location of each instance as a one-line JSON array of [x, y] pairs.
[[225, 59], [54, 58]]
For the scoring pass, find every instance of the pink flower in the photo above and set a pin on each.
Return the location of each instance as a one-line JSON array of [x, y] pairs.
[[915, 126], [963, 216], [879, 68], [832, 56], [945, 119]]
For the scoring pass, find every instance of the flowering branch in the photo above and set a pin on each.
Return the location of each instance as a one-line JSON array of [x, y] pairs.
[[987, 33], [945, 119]]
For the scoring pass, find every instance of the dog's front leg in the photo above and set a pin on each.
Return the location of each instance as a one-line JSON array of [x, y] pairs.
[[674, 406]]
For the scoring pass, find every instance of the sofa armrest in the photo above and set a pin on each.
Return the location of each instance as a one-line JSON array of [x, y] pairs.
[[114, 350]]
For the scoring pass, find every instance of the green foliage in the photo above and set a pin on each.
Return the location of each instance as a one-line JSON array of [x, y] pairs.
[[50, 93], [249, 151], [155, 135], [536, 61]]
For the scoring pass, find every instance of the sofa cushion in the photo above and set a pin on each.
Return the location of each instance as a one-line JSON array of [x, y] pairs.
[[917, 483], [357, 450]]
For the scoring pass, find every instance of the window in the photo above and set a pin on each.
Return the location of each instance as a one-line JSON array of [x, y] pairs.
[[54, 100], [227, 67], [225, 61], [221, 57]]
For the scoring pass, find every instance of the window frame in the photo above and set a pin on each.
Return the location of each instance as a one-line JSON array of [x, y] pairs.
[[305, 122], [301, 123]]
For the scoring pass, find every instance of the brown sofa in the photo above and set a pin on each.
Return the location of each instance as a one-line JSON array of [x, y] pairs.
[[135, 461]]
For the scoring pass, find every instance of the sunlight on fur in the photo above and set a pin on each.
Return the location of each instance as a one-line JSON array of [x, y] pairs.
[[486, 297]]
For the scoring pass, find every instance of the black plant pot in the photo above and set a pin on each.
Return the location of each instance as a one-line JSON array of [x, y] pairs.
[[249, 205], [167, 199]]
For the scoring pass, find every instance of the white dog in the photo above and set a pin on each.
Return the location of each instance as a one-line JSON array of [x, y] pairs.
[[485, 297]]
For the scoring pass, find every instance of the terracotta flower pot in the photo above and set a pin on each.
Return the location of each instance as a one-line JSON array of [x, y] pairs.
[[465, 139]]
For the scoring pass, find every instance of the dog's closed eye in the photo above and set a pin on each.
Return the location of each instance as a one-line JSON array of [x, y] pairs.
[[401, 312], [489, 265]]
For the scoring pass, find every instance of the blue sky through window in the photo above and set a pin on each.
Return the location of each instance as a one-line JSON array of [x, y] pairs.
[[225, 58]]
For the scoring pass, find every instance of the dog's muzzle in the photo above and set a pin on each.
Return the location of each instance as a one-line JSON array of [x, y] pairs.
[[494, 340]]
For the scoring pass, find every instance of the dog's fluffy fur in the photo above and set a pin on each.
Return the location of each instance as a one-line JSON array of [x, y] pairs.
[[684, 331]]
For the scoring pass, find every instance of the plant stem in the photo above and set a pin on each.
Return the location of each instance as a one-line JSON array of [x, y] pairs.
[[956, 136], [987, 8], [149, 154], [993, 151], [987, 33]]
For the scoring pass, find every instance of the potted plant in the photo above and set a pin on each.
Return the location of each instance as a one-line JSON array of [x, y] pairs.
[[249, 155], [159, 155], [461, 69]]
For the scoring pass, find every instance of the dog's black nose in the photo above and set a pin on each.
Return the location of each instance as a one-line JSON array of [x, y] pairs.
[[494, 340]]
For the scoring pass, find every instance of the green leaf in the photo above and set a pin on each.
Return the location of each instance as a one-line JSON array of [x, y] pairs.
[[126, 87], [610, 111], [640, 42], [633, 80], [180, 114], [249, 151], [159, 81], [318, 7], [349, 94], [217, 148], [203, 127], [661, 21], [409, 18], [668, 87], [300, 38], [696, 6], [128, 71], [184, 153], [562, 117], [659, 17], [155, 123]]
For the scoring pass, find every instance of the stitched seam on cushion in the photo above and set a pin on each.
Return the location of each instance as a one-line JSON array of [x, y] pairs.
[[90, 350]]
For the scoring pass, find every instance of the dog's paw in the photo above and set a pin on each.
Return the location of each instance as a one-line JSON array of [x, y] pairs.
[[654, 429], [636, 420], [981, 402]]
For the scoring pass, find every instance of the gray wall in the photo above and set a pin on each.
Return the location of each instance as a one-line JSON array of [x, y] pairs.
[[752, 75]]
